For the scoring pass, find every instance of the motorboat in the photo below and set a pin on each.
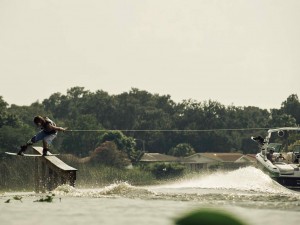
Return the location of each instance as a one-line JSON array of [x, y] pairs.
[[279, 155]]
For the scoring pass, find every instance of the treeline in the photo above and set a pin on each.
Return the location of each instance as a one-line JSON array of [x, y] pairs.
[[89, 112]]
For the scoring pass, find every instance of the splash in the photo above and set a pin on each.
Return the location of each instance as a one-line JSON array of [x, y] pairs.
[[64, 189], [246, 187], [243, 179], [125, 189], [120, 189]]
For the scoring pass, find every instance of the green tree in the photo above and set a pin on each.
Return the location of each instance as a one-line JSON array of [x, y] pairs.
[[27, 113], [291, 106], [103, 107], [7, 118], [56, 104], [80, 142], [140, 110], [109, 154], [123, 143], [280, 119], [11, 138], [182, 150]]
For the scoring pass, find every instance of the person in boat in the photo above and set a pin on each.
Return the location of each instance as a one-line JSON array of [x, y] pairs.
[[47, 134], [270, 155], [280, 158]]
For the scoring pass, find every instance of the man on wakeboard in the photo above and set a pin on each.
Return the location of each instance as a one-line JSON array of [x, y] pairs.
[[47, 134]]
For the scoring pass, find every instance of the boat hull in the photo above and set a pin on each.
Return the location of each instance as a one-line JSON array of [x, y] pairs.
[[290, 181]]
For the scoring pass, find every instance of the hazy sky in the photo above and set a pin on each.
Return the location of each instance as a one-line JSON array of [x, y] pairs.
[[240, 52]]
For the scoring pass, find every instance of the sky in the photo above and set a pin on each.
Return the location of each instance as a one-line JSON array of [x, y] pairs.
[[236, 52]]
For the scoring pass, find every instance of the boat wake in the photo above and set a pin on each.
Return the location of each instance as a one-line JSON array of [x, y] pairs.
[[247, 179], [121, 189], [245, 187]]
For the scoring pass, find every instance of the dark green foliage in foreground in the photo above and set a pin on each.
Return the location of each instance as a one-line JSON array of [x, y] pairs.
[[208, 217], [48, 198], [16, 197]]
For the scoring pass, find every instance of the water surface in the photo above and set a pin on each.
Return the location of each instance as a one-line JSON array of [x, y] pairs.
[[247, 193]]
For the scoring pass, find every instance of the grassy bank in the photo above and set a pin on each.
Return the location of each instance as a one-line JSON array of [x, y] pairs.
[[97, 176], [17, 174]]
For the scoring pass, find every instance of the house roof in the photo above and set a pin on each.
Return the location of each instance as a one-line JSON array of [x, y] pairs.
[[157, 157], [210, 157], [223, 157], [251, 157], [230, 157]]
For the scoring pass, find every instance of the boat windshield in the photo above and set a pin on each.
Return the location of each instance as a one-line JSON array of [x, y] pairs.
[[296, 148], [275, 146]]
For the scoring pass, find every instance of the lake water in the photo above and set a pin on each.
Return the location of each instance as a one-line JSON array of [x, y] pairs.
[[246, 193]]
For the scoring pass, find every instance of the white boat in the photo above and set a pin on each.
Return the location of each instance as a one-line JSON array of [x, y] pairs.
[[279, 155]]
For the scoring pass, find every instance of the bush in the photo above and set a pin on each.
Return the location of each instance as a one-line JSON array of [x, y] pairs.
[[182, 150], [165, 170], [108, 154]]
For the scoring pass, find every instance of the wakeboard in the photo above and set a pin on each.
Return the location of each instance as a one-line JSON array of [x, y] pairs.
[[29, 155]]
